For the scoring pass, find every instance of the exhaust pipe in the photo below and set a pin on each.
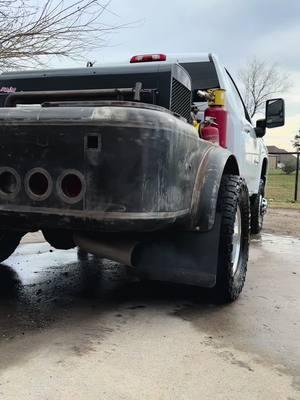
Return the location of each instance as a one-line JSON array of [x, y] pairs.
[[182, 257], [119, 250]]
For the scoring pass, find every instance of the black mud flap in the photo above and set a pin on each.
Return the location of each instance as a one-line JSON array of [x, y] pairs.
[[185, 257]]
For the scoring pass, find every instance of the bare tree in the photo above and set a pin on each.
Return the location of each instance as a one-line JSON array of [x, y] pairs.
[[51, 28], [260, 82], [296, 141]]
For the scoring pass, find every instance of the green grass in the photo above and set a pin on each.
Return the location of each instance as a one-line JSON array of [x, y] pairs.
[[280, 190]]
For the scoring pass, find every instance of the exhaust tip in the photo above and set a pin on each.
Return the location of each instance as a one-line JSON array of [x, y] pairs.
[[38, 184], [71, 186], [10, 182]]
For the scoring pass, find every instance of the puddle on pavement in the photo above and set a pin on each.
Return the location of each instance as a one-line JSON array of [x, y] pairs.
[[40, 286]]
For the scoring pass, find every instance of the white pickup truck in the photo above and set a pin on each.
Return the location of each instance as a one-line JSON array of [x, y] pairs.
[[154, 163]]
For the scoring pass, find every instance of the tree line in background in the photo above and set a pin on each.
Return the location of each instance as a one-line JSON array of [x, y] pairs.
[[296, 142], [292, 164]]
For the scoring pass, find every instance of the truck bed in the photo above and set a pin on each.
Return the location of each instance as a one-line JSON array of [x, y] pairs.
[[114, 167]]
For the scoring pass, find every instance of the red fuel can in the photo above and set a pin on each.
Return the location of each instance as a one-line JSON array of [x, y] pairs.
[[219, 114], [210, 133]]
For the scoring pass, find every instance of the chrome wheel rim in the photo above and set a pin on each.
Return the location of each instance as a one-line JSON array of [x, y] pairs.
[[260, 211], [236, 240]]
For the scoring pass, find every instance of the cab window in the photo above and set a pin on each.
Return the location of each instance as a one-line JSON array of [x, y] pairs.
[[203, 76]]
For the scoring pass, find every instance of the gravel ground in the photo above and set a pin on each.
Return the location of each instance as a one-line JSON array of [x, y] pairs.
[[282, 222]]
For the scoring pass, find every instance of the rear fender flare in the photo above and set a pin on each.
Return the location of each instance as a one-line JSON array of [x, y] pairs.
[[216, 162]]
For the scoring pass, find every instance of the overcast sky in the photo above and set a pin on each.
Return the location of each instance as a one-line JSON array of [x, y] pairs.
[[235, 30]]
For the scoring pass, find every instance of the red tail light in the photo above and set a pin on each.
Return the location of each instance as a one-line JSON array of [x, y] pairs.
[[148, 58]]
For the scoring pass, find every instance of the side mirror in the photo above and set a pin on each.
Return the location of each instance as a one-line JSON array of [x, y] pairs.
[[260, 129], [274, 113]]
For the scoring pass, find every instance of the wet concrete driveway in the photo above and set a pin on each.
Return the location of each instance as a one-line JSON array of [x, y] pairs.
[[89, 329]]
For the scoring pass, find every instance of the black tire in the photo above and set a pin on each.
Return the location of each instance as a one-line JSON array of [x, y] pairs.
[[9, 241], [59, 239], [82, 254], [257, 216], [233, 202]]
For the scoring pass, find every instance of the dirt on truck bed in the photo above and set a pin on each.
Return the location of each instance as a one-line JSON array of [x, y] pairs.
[[282, 222]]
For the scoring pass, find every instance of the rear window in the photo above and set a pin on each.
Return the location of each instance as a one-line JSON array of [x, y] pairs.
[[203, 75]]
